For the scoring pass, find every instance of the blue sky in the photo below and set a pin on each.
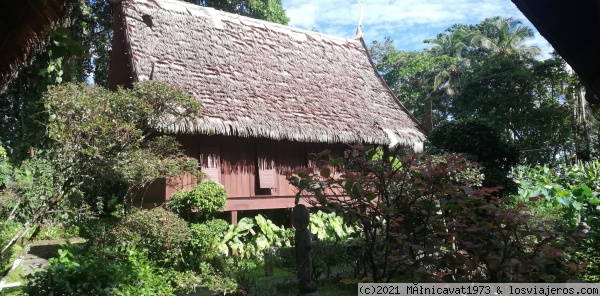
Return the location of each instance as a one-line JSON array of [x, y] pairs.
[[408, 22]]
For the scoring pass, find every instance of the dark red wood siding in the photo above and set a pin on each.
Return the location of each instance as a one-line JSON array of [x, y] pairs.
[[239, 168]]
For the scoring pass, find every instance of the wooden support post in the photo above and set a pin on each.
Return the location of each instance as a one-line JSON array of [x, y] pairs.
[[234, 220]]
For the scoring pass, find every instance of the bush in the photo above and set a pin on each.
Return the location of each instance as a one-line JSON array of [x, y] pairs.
[[203, 200], [75, 271], [79, 270], [98, 231], [478, 138], [160, 232], [56, 231], [216, 281], [590, 250], [569, 196], [139, 277], [326, 255], [425, 220], [9, 229], [211, 242], [329, 226], [204, 240], [185, 281], [244, 272]]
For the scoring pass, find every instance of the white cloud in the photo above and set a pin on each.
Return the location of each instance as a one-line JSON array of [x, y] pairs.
[[408, 22], [539, 41]]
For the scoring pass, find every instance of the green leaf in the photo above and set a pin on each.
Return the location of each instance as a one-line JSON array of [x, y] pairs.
[[587, 192], [594, 201], [348, 185], [62, 31], [564, 201], [371, 196]]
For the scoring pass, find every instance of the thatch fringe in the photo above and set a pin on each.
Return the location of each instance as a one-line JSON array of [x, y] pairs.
[[403, 137]]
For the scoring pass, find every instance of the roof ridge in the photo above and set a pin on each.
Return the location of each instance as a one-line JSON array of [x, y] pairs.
[[249, 20]]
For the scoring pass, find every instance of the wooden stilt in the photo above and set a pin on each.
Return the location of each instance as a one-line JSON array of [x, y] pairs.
[[234, 219]]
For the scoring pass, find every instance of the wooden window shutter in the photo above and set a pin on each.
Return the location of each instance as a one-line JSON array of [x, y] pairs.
[[267, 175], [210, 161]]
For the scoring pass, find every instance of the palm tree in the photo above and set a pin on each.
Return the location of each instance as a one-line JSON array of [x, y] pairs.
[[453, 44], [506, 36]]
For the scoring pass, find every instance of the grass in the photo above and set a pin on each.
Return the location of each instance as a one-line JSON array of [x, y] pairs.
[[15, 291], [17, 276], [283, 282], [278, 273], [15, 250], [56, 231], [326, 288], [14, 255]]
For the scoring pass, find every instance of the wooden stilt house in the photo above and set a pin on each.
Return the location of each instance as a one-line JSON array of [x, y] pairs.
[[270, 95]]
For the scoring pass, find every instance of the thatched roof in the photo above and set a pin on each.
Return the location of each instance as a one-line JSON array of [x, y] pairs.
[[22, 31], [260, 79]]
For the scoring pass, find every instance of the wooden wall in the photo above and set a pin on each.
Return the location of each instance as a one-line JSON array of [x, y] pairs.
[[239, 162]]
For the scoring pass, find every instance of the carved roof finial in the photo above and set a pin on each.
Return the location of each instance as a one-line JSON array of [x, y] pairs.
[[359, 33]]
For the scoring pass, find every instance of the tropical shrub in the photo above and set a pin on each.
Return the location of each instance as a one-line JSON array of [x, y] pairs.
[[74, 272], [114, 148], [204, 241], [329, 226], [79, 270], [244, 272], [52, 231], [24, 189], [334, 246], [251, 236], [427, 220], [568, 195], [160, 232], [326, 255], [113, 151], [589, 250], [216, 280], [211, 243], [270, 235], [186, 281], [571, 188], [204, 200], [495, 242], [140, 277], [486, 144]]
